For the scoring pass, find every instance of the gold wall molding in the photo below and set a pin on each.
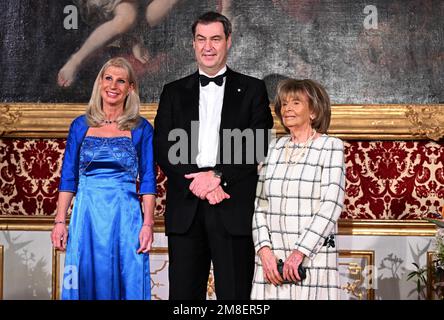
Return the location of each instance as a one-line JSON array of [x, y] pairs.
[[26, 223], [364, 227], [346, 226], [1, 271], [35, 223], [350, 122]]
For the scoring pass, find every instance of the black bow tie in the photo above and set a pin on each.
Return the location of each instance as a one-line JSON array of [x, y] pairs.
[[204, 80]]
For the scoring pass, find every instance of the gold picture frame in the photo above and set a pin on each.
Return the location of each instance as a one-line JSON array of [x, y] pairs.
[[57, 271], [350, 122], [1, 271], [356, 270], [431, 293], [57, 274], [345, 226], [158, 251]]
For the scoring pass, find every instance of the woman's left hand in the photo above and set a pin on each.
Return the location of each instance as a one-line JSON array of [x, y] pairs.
[[291, 266], [145, 239]]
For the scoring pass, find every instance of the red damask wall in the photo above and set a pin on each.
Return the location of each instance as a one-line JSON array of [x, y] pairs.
[[384, 179]]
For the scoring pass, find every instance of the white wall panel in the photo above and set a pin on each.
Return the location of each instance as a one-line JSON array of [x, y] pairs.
[[27, 272], [28, 263]]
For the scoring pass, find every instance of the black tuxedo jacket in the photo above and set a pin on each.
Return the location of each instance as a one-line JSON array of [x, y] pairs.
[[245, 105]]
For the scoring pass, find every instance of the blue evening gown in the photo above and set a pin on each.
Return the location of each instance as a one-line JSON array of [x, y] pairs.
[[101, 260]]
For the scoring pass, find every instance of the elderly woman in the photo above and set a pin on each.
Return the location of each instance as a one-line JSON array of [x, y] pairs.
[[106, 151], [299, 198]]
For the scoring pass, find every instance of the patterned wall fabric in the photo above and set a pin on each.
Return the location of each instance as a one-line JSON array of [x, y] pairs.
[[393, 180], [385, 179]]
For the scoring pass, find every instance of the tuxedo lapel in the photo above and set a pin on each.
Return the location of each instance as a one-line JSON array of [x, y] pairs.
[[190, 113], [233, 95]]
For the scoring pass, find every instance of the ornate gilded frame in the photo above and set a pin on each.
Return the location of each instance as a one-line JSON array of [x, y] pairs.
[[355, 287], [57, 272], [431, 280], [350, 122]]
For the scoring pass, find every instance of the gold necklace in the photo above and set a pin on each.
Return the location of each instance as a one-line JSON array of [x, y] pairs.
[[293, 157]]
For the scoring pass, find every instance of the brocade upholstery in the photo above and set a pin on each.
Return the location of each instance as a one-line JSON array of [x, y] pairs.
[[384, 179]]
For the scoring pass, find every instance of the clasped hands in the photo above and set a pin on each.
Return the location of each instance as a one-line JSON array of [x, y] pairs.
[[269, 266], [207, 186]]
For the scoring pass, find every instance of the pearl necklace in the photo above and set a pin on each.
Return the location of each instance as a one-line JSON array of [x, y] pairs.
[[109, 121], [293, 157]]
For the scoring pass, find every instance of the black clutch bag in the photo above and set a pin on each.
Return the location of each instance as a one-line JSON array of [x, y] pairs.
[[301, 270]]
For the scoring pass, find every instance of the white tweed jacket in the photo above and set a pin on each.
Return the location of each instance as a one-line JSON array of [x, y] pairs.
[[297, 207]]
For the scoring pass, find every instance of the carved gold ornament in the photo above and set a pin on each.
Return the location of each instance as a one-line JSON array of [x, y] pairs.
[[8, 118], [427, 121]]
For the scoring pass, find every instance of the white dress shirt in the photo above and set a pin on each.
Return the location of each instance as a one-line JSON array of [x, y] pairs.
[[210, 109]]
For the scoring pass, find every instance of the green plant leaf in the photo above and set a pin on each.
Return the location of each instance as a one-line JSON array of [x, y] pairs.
[[439, 223]]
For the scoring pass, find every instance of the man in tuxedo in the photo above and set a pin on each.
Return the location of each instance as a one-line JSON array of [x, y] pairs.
[[210, 201]]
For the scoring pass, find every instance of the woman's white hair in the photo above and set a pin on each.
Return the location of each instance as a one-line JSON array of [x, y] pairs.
[[131, 110]]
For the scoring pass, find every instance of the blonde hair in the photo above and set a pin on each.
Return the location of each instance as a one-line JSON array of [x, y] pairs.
[[130, 116], [318, 101]]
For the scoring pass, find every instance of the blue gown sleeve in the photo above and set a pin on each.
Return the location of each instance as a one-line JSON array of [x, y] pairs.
[[70, 168], [147, 173]]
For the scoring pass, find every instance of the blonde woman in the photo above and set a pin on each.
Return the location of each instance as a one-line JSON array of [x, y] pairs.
[[107, 150]]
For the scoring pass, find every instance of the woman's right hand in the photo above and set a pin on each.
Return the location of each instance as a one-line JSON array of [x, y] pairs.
[[269, 266], [59, 236]]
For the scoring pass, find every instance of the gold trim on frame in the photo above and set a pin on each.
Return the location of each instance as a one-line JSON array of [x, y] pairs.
[[37, 223], [159, 250], [1, 271], [386, 227], [369, 256], [26, 223], [353, 122], [8, 119], [345, 226], [362, 122], [430, 271], [431, 293], [427, 121], [37, 120], [56, 275]]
